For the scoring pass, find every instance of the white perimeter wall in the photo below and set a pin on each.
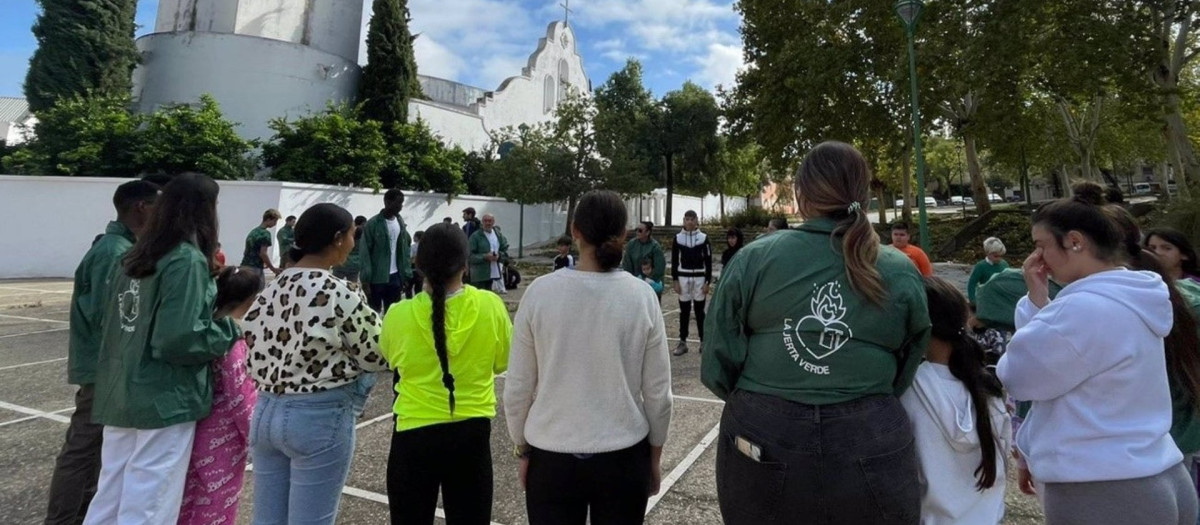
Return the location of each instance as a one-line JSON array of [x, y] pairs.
[[50, 222]]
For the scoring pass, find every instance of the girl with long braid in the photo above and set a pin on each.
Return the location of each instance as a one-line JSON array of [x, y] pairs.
[[446, 344], [959, 421]]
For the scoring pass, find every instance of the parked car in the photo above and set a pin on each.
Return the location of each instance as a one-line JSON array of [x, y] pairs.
[[931, 202], [956, 200], [1014, 198], [969, 201], [992, 197], [899, 203], [1143, 188]]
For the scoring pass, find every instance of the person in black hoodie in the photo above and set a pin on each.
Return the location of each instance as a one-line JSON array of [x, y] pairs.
[[734, 239], [691, 269]]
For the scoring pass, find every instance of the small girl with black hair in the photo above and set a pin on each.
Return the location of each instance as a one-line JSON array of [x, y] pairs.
[[446, 345], [218, 464], [958, 418]]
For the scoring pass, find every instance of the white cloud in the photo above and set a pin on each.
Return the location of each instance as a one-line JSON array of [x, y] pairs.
[[719, 67], [496, 69], [437, 60]]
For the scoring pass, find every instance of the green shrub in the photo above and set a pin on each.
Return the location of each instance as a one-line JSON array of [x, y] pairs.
[[1183, 214], [751, 217], [332, 147]]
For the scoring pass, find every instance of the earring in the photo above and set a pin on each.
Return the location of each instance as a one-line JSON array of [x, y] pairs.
[[1076, 248]]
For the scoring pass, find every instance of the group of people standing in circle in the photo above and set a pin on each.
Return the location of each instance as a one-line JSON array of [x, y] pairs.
[[854, 391]]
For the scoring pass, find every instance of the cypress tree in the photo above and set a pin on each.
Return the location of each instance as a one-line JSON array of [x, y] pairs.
[[84, 46], [390, 77]]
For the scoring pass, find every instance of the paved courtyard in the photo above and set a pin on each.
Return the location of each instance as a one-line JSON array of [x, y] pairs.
[[36, 401]]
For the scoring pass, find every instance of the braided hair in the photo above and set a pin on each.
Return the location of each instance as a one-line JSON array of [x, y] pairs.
[[443, 256]]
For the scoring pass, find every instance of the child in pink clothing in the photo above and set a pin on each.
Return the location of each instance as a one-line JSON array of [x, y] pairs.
[[214, 478]]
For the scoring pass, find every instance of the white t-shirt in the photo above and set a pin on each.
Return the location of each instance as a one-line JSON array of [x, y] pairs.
[[494, 241], [592, 378], [393, 226]]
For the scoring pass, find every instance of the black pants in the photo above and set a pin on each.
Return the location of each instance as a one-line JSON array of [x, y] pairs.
[[78, 465], [455, 457], [614, 486], [415, 285], [384, 295], [848, 463], [685, 315]]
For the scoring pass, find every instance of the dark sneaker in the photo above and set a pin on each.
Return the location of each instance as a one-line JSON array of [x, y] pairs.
[[680, 349]]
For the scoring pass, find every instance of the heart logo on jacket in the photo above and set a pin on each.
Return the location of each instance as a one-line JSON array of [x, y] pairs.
[[826, 320]]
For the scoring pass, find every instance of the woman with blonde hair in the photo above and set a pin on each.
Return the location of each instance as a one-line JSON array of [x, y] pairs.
[[813, 335]]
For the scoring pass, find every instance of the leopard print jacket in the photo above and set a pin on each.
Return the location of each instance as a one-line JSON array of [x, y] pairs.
[[309, 331]]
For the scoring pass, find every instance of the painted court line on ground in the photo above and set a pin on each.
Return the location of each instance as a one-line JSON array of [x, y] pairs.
[[683, 466], [31, 290], [35, 413], [382, 498], [700, 399], [373, 421], [24, 419], [40, 320], [50, 331], [10, 367]]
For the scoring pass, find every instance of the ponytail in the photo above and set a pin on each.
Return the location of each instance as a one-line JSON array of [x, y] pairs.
[[967, 365], [948, 311], [860, 248], [610, 252], [443, 257], [438, 295]]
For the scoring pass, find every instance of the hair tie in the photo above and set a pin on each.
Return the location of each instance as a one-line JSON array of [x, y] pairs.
[[236, 269], [854, 207]]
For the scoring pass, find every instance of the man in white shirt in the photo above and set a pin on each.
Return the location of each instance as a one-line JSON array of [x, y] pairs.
[[385, 253]]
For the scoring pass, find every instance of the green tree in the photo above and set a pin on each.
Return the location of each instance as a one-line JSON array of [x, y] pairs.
[[390, 77], [622, 128], [186, 137], [81, 136], [741, 170], [419, 160], [84, 47], [332, 147], [684, 135]]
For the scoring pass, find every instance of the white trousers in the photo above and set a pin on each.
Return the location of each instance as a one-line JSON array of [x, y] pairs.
[[142, 474], [691, 289]]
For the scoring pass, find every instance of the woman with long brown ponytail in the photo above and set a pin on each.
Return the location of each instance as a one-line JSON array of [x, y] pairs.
[[812, 336], [447, 345]]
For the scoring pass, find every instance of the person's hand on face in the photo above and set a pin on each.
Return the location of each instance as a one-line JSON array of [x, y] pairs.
[[1037, 278]]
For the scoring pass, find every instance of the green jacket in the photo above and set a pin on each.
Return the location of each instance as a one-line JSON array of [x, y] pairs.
[[481, 269], [996, 299], [1185, 421], [377, 251], [286, 237], [983, 271], [255, 240], [636, 250], [89, 301], [785, 322], [155, 360]]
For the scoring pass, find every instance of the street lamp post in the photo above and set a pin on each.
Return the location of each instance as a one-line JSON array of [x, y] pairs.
[[909, 12]]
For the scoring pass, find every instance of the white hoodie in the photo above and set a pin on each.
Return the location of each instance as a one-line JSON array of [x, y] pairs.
[[944, 426], [1092, 362]]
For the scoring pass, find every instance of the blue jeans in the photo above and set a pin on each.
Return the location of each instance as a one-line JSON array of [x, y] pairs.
[[362, 391], [301, 445]]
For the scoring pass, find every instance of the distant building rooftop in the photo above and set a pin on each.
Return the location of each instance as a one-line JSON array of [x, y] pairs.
[[14, 109], [449, 92]]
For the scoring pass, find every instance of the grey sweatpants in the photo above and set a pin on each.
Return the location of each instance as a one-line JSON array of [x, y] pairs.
[[1165, 499]]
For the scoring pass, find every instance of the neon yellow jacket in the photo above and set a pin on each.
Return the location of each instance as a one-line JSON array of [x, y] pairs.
[[478, 335]]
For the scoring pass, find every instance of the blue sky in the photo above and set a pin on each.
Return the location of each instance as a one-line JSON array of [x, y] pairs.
[[482, 42]]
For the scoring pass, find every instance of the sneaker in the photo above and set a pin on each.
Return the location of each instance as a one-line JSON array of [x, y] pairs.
[[680, 349]]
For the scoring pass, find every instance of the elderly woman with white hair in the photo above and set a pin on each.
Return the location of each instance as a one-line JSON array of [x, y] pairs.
[[992, 264]]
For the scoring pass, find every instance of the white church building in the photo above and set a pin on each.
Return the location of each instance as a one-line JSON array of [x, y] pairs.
[[264, 59]]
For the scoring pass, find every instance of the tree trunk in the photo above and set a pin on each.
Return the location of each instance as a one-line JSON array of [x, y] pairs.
[[570, 215], [670, 187], [1160, 173], [906, 187], [1187, 166], [722, 195], [881, 196], [978, 186]]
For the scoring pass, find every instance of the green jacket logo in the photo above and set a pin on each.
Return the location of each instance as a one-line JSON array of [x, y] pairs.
[[128, 302], [826, 319]]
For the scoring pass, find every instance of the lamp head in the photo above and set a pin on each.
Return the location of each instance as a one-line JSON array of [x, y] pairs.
[[909, 11]]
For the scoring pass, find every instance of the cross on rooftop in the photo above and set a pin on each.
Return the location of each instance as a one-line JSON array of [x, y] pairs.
[[566, 11]]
